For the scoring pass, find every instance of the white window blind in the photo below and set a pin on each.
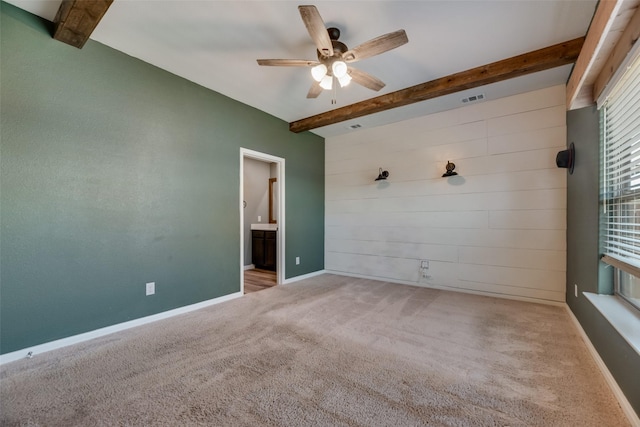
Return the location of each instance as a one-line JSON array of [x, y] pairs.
[[621, 171], [621, 119]]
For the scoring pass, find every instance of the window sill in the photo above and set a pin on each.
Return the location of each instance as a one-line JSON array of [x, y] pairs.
[[624, 318]]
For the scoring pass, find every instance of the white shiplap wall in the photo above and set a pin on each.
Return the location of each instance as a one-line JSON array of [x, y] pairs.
[[497, 228]]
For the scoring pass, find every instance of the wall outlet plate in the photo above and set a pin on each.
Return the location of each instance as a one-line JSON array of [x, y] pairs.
[[297, 260], [151, 288]]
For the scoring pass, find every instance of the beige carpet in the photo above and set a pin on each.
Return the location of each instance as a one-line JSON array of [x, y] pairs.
[[327, 351]]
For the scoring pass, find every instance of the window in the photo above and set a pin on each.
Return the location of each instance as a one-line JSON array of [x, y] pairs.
[[621, 182], [628, 286]]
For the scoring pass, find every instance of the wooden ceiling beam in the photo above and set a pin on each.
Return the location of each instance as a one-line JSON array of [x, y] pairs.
[[601, 23], [532, 62], [618, 55], [76, 20]]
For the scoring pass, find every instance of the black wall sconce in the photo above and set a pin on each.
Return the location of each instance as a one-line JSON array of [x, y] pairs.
[[382, 175], [450, 167], [567, 158]]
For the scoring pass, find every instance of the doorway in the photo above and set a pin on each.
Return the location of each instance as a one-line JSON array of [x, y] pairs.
[[271, 220]]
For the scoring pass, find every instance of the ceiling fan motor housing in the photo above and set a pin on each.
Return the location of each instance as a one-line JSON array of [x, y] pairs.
[[339, 49]]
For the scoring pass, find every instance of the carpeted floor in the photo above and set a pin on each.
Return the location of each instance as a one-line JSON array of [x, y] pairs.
[[328, 351]]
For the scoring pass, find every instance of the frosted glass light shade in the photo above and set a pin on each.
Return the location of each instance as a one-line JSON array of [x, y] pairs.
[[318, 72], [326, 82], [339, 69], [344, 80]]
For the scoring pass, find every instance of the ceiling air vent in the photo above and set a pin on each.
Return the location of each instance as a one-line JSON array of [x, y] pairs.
[[473, 98], [356, 126]]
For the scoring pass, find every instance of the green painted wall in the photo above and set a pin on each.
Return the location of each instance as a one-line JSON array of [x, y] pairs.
[[115, 173], [583, 265]]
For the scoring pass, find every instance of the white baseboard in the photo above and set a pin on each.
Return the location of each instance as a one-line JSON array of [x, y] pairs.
[[379, 279], [615, 388], [448, 288], [304, 276], [53, 345], [249, 267]]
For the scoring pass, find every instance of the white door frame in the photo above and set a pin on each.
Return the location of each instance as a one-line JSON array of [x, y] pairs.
[[279, 161]]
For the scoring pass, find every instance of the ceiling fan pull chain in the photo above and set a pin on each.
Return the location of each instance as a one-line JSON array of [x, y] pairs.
[[335, 92]]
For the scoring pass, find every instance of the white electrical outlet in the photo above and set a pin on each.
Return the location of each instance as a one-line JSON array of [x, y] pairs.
[[151, 288], [297, 260], [259, 218], [424, 269], [576, 289]]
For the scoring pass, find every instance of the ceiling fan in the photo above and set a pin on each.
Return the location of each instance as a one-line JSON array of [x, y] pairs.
[[333, 55]]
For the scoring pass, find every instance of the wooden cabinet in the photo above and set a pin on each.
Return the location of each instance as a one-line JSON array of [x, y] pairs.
[[263, 249]]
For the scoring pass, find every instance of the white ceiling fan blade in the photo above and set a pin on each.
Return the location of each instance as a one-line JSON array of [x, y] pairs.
[[317, 30], [376, 46]]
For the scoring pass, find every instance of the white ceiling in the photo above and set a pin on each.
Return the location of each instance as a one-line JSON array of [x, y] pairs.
[[216, 44]]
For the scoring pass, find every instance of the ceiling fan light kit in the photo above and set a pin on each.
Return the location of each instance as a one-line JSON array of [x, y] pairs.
[[318, 72], [334, 56], [326, 82], [339, 69], [344, 80]]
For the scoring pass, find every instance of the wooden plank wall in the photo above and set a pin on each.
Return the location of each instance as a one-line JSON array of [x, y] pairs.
[[497, 228]]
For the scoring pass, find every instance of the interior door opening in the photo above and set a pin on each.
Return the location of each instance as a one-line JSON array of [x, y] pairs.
[[262, 224]]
